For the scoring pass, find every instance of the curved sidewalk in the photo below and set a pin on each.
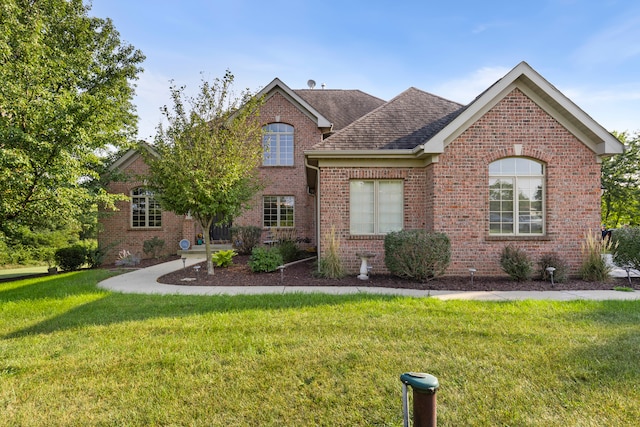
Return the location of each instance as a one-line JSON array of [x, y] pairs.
[[144, 281]]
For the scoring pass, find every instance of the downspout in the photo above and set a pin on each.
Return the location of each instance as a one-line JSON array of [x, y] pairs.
[[317, 196]]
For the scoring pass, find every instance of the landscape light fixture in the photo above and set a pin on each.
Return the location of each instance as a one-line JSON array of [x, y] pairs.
[[472, 271], [550, 270]]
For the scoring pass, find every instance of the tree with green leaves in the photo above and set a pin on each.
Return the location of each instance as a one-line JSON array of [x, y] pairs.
[[208, 154], [65, 97], [621, 184]]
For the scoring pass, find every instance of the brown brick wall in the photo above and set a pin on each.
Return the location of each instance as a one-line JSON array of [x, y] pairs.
[[451, 195], [334, 197], [288, 180], [461, 203], [116, 226], [278, 181]]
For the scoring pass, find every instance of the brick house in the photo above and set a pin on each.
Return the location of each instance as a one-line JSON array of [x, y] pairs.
[[518, 165]]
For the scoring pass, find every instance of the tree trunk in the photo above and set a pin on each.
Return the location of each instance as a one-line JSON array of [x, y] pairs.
[[207, 244]]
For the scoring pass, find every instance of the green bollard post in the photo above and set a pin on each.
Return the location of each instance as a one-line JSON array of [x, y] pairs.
[[424, 398]]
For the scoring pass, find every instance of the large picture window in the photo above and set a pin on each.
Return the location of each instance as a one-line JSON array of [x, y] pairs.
[[277, 143], [145, 210], [375, 206], [278, 211], [516, 197]]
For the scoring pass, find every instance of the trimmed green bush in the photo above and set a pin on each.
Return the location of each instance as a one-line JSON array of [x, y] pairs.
[[224, 258], [417, 254], [245, 238], [71, 258], [626, 247], [515, 262], [561, 273], [264, 259]]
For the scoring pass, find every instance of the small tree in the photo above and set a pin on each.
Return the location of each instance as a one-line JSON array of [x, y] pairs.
[[626, 247], [208, 155]]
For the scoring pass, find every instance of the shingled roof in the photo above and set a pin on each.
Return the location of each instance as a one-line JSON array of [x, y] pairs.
[[405, 122], [340, 107]]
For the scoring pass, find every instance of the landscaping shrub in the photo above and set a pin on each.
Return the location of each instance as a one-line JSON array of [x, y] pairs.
[[330, 265], [153, 247], [71, 258], [223, 258], [95, 257], [515, 262], [245, 238], [554, 260], [264, 259], [417, 254], [289, 250], [594, 267], [626, 247]]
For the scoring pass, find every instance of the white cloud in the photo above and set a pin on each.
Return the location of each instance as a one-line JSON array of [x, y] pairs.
[[614, 44]]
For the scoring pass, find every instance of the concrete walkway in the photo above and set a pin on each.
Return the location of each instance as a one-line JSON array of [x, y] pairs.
[[144, 281]]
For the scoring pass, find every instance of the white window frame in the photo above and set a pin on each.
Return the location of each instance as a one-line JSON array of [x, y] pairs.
[[526, 177], [278, 145], [280, 202], [142, 197], [367, 207]]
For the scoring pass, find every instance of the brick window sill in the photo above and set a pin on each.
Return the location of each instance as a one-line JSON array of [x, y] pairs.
[[545, 238], [144, 229], [366, 237]]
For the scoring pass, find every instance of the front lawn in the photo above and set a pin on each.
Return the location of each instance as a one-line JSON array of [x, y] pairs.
[[74, 354]]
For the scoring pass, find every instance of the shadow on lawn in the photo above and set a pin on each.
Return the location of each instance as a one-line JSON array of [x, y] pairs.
[[116, 307]]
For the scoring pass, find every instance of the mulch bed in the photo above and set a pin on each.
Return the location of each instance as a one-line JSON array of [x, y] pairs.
[[301, 274]]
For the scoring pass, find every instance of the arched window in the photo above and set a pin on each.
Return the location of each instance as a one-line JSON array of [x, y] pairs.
[[145, 210], [278, 145], [516, 197]]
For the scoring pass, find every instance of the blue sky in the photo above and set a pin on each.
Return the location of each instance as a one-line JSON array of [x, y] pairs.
[[588, 49]]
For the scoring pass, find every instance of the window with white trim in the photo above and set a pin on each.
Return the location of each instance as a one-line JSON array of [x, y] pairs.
[[277, 142], [145, 210], [375, 206], [516, 197], [278, 211]]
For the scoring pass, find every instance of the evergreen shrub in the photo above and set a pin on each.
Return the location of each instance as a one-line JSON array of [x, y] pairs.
[[516, 263], [71, 258], [553, 259]]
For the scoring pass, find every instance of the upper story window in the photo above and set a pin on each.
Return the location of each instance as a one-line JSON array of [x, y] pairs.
[[516, 197], [375, 206], [145, 210], [278, 145]]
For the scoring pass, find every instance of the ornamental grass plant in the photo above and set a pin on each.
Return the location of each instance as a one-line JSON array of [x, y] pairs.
[[594, 266]]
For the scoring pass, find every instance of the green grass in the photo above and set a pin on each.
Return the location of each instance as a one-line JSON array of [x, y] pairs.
[[72, 354], [22, 271]]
